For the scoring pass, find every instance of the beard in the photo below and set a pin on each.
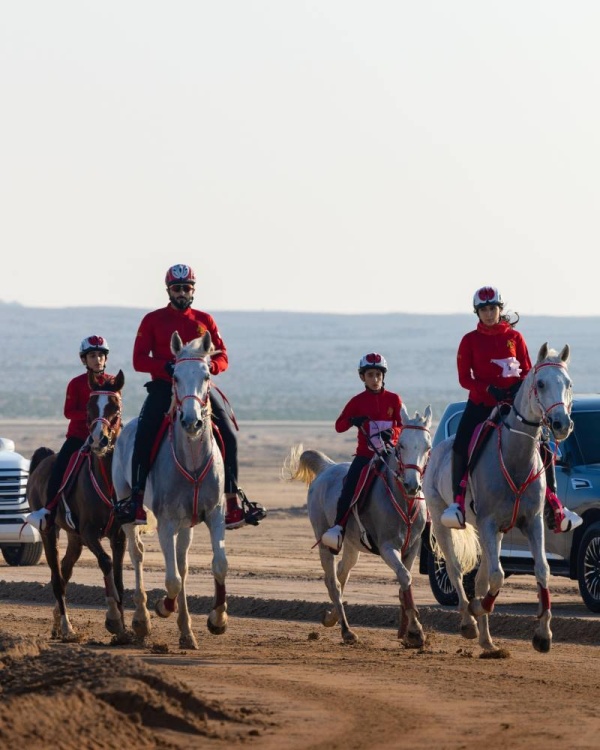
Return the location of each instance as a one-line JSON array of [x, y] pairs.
[[181, 303]]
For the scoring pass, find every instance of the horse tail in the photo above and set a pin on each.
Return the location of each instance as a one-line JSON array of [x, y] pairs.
[[304, 465], [464, 544], [38, 456]]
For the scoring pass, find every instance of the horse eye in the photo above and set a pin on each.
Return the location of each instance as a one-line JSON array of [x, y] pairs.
[[541, 385]]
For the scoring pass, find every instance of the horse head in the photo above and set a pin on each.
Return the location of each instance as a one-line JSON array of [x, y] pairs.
[[547, 392], [412, 450], [191, 382], [104, 413]]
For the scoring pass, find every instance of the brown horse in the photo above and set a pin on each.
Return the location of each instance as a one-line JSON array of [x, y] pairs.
[[85, 509]]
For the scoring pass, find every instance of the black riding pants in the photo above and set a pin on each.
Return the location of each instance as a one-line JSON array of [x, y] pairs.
[[155, 406], [349, 486], [70, 446]]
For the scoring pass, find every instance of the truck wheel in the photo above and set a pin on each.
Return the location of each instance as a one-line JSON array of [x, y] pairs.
[[441, 585], [588, 568], [22, 554]]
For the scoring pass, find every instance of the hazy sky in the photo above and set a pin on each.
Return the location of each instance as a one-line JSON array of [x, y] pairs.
[[324, 155]]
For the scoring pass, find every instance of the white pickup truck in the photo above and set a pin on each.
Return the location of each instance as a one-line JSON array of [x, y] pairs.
[[20, 545]]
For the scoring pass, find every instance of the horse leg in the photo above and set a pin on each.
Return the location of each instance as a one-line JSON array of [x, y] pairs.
[[453, 546], [542, 636], [187, 638], [217, 619], [114, 619], [349, 559], [410, 630], [335, 592], [481, 606], [141, 617], [60, 575], [117, 546]]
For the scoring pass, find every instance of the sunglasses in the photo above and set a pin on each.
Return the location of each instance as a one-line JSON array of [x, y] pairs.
[[182, 287], [486, 294], [373, 359]]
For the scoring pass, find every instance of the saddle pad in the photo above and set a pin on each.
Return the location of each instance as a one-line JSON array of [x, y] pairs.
[[365, 480]]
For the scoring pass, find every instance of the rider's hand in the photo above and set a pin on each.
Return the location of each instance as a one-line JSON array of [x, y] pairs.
[[170, 368], [358, 421], [386, 435], [500, 394]]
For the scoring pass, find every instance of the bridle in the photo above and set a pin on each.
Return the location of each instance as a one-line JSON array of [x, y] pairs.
[[545, 420], [114, 424]]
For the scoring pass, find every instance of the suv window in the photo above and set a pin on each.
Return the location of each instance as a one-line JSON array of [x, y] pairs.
[[586, 437]]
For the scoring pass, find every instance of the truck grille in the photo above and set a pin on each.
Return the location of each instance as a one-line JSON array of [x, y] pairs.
[[12, 486]]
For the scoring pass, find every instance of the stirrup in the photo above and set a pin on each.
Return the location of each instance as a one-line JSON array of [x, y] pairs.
[[570, 521], [254, 513], [453, 517]]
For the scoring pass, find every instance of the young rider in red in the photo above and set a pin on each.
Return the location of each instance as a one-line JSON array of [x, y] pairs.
[[376, 412], [492, 362], [152, 354], [93, 352]]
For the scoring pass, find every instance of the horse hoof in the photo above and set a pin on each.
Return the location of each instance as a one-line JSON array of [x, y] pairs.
[[349, 637], [215, 629], [470, 632], [541, 644], [115, 627], [161, 610], [188, 642], [329, 619], [141, 628], [413, 640]]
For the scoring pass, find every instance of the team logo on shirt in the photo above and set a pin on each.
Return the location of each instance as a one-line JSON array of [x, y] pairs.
[[201, 330]]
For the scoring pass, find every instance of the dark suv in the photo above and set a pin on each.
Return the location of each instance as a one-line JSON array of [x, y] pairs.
[[575, 554]]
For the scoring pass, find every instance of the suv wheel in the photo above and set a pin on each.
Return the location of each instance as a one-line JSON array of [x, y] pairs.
[[22, 554], [588, 568], [440, 582]]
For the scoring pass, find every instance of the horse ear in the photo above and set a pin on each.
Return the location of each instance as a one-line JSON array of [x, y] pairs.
[[119, 381], [565, 355], [428, 416], [405, 416], [176, 343], [543, 353], [207, 343]]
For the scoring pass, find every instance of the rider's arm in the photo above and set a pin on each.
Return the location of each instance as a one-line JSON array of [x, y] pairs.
[[219, 361], [145, 359], [76, 402]]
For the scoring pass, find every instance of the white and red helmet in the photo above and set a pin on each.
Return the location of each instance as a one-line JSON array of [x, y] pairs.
[[487, 295], [180, 274], [372, 361], [93, 344]]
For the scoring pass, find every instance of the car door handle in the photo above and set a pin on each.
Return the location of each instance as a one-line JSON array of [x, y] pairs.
[[580, 484]]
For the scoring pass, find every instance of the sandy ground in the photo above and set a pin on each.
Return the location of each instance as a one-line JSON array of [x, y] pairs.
[[277, 677]]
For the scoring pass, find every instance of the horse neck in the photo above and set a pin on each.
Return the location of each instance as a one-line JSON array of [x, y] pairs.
[[192, 454], [520, 441]]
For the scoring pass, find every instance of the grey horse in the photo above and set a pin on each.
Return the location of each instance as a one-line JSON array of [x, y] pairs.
[[185, 486], [506, 489], [390, 523]]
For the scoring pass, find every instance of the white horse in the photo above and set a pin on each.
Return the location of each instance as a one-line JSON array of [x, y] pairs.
[[185, 486], [506, 488], [391, 520]]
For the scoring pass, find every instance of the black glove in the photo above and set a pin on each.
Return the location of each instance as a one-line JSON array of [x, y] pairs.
[[358, 421], [500, 394], [170, 368], [514, 388], [386, 435]]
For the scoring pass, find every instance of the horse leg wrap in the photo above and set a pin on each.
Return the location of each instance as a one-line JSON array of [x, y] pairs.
[[220, 594], [406, 599], [488, 601], [170, 604], [544, 600]]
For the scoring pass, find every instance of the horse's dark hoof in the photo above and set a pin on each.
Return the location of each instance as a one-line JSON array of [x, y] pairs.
[[543, 645], [214, 629]]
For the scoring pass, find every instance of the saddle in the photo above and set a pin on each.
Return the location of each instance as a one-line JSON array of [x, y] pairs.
[[70, 475]]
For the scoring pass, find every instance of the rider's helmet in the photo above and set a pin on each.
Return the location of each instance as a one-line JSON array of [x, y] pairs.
[[372, 361], [487, 295], [93, 344], [180, 274]]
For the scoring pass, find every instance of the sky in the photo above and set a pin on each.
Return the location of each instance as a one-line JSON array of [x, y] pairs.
[[306, 155]]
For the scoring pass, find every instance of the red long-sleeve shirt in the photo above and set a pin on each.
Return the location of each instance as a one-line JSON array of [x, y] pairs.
[[76, 401], [383, 412], [491, 355], [152, 347]]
